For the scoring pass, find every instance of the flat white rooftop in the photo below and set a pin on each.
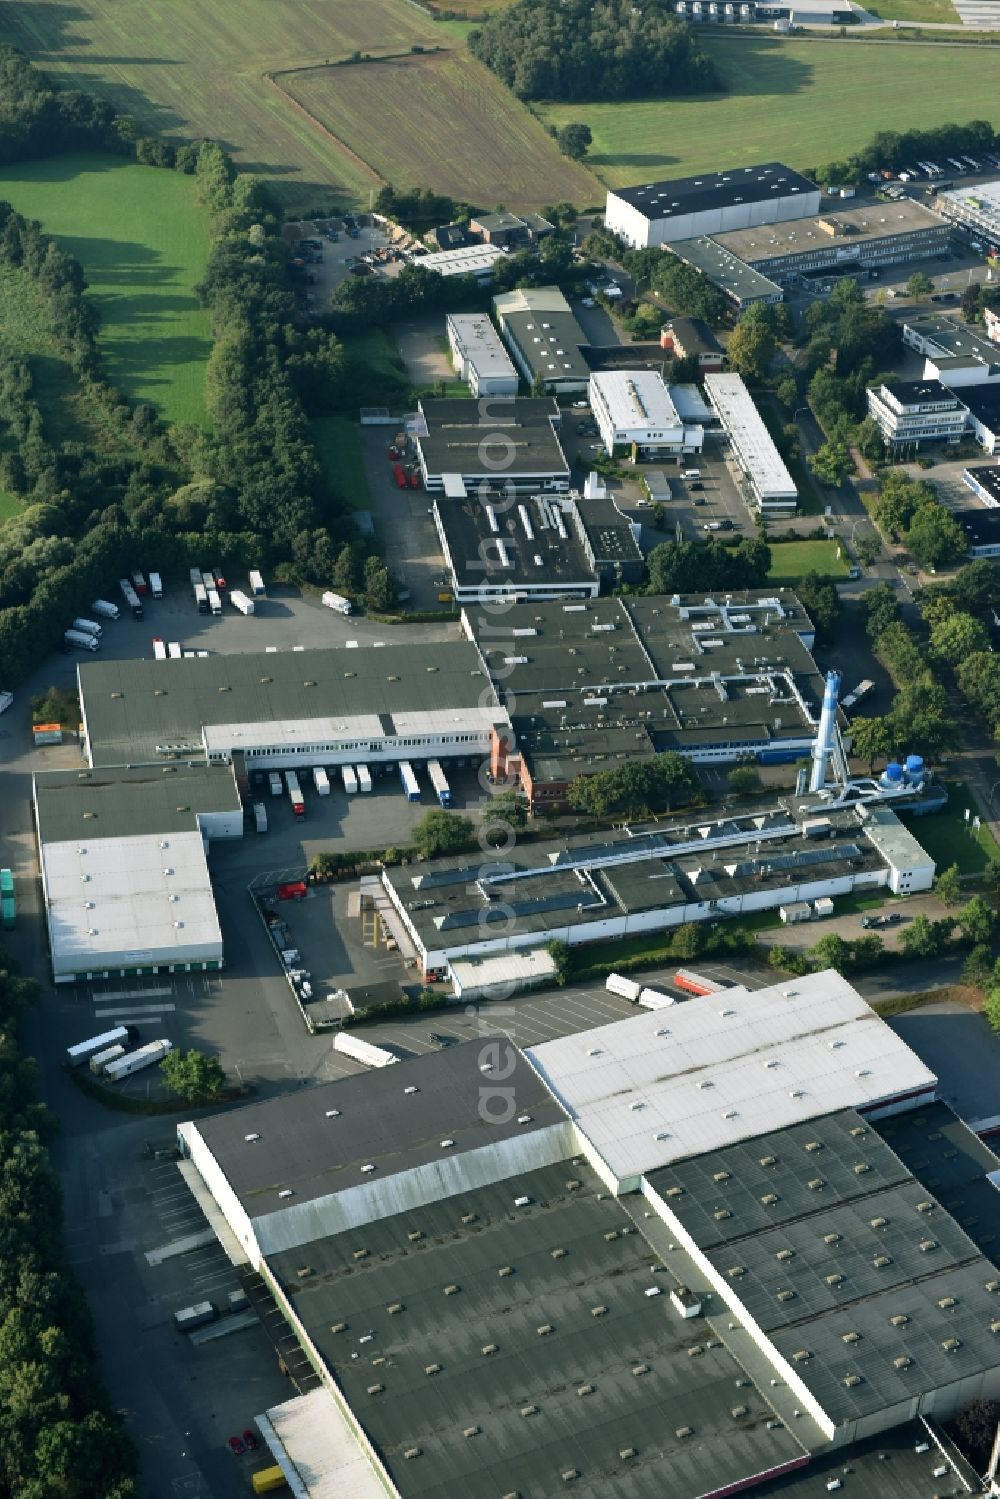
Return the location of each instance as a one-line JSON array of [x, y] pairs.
[[351, 731], [983, 200], [317, 1450], [636, 398], [750, 438], [118, 902], [470, 260], [476, 340], [659, 1087]]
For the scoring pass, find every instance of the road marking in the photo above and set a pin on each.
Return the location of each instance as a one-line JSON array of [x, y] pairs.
[[99, 995], [141, 1011]]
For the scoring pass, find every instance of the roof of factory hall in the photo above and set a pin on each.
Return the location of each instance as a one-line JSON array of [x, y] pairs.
[[983, 402], [951, 1161], [858, 1276], [874, 221], [545, 331], [902, 1463], [542, 887], [953, 344], [125, 803], [725, 270], [981, 527], [318, 1140], [682, 195], [715, 1071], [478, 340], [753, 443], [985, 479], [131, 707], [629, 677], [492, 1346], [515, 435], [636, 398]]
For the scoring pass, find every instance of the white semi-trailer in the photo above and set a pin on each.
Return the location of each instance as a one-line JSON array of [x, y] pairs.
[[135, 1061], [353, 1046]]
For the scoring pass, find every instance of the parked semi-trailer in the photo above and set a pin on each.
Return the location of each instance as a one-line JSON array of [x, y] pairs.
[[81, 640], [103, 1058], [104, 609], [616, 983], [214, 602], [131, 597], [134, 1061], [156, 585], [399, 474], [88, 627], [295, 795], [362, 1051], [241, 601], [201, 597], [174, 650], [364, 777], [862, 690], [8, 906], [260, 817], [195, 576], [198, 1315], [337, 602], [439, 782], [349, 779], [321, 780], [652, 999], [84, 1050], [139, 583], [257, 584], [274, 781], [159, 649], [409, 781], [208, 579], [696, 983]]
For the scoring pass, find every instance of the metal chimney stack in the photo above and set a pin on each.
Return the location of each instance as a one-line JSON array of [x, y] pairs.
[[823, 743]]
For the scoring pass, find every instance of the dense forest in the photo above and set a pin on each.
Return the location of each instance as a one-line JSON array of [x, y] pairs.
[[592, 49]]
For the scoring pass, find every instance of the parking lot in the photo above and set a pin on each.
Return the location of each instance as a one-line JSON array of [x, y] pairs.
[[403, 523], [332, 269]]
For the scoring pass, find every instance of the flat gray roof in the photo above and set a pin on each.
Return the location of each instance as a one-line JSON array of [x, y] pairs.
[[873, 221], [826, 1238], [475, 551], [302, 1146], [550, 343], [725, 270], [680, 195], [129, 803], [513, 1381], [898, 1464], [494, 436], [950, 1160], [132, 706], [956, 341]]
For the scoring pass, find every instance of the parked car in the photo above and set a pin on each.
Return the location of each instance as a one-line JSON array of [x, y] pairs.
[[870, 921], [440, 1040], [250, 1441], [237, 1446], [582, 405], [892, 918]]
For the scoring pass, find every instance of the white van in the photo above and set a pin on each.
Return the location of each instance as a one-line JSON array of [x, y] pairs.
[[691, 473]]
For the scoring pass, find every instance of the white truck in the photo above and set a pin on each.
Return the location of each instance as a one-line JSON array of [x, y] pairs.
[[349, 779], [156, 585], [275, 782], [81, 640], [260, 817], [353, 1046], [88, 627], [84, 1050], [104, 609], [134, 1061], [190, 1317], [100, 1060], [364, 777], [625, 988], [337, 602], [321, 780], [652, 999], [241, 601], [174, 650], [257, 585], [214, 602], [159, 649]]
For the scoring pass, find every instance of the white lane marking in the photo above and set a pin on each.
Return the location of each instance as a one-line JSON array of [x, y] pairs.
[[99, 996], [145, 1012]]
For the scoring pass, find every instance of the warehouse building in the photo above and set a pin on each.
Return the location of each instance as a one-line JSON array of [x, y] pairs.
[[983, 405], [511, 231], [689, 207], [982, 530], [879, 234], [566, 546], [283, 710], [479, 356], [591, 685], [500, 445], [476, 260], [544, 338], [667, 1256], [124, 870], [692, 338], [985, 485], [976, 211], [955, 354], [595, 889], [767, 484], [913, 414], [633, 408], [740, 282]]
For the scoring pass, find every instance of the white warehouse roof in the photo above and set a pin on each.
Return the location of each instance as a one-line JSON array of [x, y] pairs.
[[116, 902], [477, 341], [636, 398], [664, 1085], [749, 436], [469, 260], [317, 1449]]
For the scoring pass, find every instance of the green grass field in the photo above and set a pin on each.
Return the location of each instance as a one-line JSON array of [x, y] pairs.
[[338, 448], [948, 838], [142, 240], [425, 106], [791, 560], [802, 102]]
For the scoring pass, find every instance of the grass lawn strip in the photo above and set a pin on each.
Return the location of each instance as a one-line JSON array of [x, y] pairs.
[[338, 448], [791, 560], [949, 839], [142, 240]]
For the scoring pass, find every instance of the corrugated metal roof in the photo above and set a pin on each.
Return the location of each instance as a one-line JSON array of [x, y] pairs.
[[321, 1449]]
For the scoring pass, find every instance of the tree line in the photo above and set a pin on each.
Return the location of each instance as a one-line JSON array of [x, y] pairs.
[[579, 49], [684, 289], [890, 150]]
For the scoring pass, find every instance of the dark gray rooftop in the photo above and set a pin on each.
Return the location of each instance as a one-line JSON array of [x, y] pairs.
[[303, 1147], [982, 527], [500, 435], [128, 803], [680, 195], [475, 555], [515, 1379], [984, 403], [921, 393], [131, 706], [550, 342], [987, 476], [951, 1161], [889, 1466]]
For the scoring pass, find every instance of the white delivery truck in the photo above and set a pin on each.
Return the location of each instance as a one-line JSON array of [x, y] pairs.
[[364, 777], [214, 602], [100, 1060], [652, 999], [159, 649], [257, 585], [275, 782], [321, 780], [338, 602], [134, 1061], [241, 602], [349, 779], [174, 650], [350, 1045], [409, 782], [104, 609], [6, 700], [84, 1050], [616, 983], [88, 627], [156, 585], [81, 640], [260, 817]]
